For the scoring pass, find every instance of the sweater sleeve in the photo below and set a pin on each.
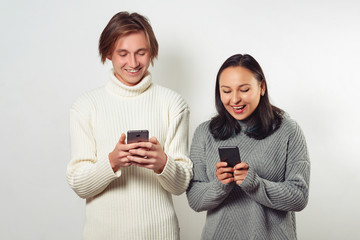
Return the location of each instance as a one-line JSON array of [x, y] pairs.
[[87, 173], [177, 173], [202, 193], [292, 193]]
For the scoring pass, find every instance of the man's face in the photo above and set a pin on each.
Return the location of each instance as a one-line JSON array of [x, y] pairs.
[[131, 58]]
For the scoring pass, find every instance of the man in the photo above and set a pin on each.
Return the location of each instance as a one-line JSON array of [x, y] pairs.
[[128, 187]]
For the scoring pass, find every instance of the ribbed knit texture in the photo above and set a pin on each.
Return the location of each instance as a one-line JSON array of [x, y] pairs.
[[263, 206], [134, 202]]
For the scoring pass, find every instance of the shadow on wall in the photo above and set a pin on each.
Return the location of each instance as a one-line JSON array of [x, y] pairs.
[[169, 71]]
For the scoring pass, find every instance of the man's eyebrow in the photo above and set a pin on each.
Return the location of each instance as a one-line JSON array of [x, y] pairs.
[[121, 50], [124, 50]]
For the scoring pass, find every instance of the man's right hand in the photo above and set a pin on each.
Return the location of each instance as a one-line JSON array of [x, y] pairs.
[[118, 157]]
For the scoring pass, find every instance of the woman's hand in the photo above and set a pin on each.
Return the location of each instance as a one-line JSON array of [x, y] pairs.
[[148, 155], [224, 173], [240, 172]]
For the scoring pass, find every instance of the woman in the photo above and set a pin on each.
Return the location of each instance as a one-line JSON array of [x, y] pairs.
[[257, 198]]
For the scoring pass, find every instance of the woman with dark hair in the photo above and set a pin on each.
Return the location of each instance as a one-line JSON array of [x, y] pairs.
[[258, 197]]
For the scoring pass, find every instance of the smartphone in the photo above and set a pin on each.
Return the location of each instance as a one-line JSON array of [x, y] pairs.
[[230, 154], [137, 136]]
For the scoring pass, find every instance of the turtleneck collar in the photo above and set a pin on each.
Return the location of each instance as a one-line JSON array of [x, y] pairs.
[[118, 88], [243, 124]]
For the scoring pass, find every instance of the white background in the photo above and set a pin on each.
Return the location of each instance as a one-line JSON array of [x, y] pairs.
[[309, 51]]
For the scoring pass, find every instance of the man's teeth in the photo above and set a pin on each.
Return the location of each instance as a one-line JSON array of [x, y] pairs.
[[132, 70], [239, 108]]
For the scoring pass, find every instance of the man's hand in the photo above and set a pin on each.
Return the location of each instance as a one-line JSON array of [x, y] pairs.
[[148, 155], [118, 157]]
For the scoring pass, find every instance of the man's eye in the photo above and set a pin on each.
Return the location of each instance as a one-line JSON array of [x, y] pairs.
[[122, 53], [141, 53]]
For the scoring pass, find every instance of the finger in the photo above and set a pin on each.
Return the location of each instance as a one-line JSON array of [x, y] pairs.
[[227, 181], [122, 138], [225, 176], [226, 170], [240, 173], [138, 164], [241, 165], [123, 155], [148, 166], [140, 152], [239, 177], [124, 162], [221, 164], [130, 146], [139, 160], [153, 140], [127, 164], [147, 145]]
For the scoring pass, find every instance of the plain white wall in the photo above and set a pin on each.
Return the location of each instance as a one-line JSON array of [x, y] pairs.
[[309, 51]]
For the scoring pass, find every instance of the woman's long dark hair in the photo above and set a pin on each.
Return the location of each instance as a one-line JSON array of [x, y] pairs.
[[264, 121]]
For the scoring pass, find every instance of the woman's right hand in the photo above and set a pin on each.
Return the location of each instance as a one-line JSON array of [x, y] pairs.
[[118, 157], [224, 173]]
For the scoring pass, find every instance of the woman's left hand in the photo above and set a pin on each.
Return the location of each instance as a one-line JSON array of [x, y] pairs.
[[149, 155], [240, 172]]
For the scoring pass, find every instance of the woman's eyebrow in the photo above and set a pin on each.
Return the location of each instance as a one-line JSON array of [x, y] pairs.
[[242, 85]]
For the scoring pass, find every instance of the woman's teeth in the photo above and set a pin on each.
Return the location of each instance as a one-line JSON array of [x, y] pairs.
[[239, 108]]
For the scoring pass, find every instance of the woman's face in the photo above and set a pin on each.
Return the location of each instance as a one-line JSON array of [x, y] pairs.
[[240, 91]]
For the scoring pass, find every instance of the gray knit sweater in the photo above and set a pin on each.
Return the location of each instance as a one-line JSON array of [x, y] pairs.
[[263, 206]]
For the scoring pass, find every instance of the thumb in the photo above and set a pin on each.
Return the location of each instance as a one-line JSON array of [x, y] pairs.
[[122, 138]]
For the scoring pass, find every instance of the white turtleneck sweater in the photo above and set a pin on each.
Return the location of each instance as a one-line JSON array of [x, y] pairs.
[[134, 202]]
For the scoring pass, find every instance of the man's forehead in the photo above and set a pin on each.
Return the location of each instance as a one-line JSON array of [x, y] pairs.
[[133, 41]]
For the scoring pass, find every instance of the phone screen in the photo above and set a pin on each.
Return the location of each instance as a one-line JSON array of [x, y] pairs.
[[230, 154], [137, 136]]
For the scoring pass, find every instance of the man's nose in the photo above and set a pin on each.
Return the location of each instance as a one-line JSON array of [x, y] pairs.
[[133, 62]]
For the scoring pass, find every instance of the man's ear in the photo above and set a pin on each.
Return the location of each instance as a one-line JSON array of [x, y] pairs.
[[109, 57]]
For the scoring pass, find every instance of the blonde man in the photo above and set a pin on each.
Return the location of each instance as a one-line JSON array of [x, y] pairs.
[[128, 187]]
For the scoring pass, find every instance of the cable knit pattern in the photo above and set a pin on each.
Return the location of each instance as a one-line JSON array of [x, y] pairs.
[[134, 202], [263, 206]]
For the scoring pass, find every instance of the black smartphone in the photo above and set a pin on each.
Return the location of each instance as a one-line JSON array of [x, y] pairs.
[[230, 154], [137, 136]]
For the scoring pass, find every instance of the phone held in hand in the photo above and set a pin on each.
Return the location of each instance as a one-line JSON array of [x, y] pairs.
[[137, 136], [229, 154]]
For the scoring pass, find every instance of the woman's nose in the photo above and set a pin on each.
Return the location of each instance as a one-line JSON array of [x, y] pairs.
[[235, 98]]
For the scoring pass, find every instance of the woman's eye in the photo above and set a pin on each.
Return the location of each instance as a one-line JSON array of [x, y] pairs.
[[226, 91], [245, 90]]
